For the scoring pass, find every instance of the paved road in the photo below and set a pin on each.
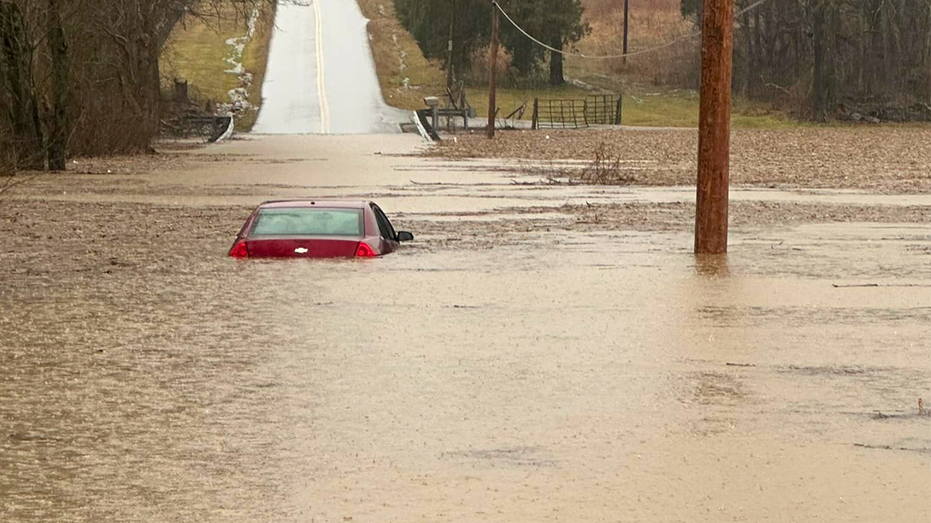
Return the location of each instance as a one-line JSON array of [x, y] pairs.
[[321, 77]]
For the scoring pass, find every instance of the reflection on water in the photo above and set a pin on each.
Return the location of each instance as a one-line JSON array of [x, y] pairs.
[[140, 382], [714, 265]]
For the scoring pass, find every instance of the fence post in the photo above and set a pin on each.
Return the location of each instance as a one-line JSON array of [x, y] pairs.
[[536, 114], [620, 109], [493, 81]]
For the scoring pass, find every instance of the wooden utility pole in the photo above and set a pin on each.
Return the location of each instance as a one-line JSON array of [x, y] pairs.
[[492, 105], [714, 127], [449, 58], [626, 18]]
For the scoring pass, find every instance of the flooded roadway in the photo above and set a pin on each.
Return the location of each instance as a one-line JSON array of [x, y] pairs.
[[518, 374]]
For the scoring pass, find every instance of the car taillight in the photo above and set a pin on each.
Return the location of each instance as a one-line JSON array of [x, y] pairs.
[[239, 250], [364, 251]]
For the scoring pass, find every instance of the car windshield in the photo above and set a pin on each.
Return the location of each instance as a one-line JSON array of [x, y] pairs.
[[308, 222]]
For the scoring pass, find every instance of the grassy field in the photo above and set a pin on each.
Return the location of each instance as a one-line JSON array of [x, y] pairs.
[[197, 52], [680, 109]]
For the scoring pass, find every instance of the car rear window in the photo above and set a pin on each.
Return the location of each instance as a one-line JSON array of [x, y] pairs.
[[308, 222]]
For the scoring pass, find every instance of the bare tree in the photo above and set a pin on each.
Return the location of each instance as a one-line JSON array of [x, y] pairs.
[[82, 77], [867, 55], [21, 135]]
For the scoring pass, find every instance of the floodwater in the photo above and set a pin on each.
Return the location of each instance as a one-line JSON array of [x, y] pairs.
[[554, 376]]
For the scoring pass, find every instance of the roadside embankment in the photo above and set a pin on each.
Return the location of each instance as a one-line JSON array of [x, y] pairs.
[[222, 60], [406, 77]]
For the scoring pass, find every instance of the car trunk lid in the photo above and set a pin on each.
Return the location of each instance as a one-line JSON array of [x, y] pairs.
[[302, 247]]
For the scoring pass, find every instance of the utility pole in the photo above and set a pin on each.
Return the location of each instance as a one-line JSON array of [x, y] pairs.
[[449, 58], [492, 106], [626, 17], [714, 127]]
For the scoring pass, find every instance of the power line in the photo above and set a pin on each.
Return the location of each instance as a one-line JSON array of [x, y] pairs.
[[609, 57]]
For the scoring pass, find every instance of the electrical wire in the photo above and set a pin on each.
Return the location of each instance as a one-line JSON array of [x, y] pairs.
[[610, 57]]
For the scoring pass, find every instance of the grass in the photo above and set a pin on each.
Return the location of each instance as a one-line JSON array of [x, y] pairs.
[[255, 60], [510, 99], [641, 108], [406, 77], [680, 109], [197, 51]]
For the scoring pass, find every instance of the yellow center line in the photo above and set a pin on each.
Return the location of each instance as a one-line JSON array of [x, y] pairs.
[[321, 78]]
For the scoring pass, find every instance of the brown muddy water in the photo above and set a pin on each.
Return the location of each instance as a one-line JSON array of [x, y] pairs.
[[512, 375]]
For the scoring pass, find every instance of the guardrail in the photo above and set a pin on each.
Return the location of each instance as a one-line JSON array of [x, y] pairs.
[[213, 128]]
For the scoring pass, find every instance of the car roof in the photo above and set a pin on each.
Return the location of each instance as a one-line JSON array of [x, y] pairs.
[[321, 202]]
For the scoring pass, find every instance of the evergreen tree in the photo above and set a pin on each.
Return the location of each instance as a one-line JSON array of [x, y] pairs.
[[429, 21], [555, 22]]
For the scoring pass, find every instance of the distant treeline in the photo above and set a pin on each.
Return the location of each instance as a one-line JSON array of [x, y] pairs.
[[836, 56], [82, 77], [826, 58]]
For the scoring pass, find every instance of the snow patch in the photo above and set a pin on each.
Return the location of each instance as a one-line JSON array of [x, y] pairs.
[[239, 97]]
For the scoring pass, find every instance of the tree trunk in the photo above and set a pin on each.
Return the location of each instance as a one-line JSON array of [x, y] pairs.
[[825, 26], [150, 82], [863, 58], [58, 49], [12, 34], [17, 80], [819, 80], [751, 61], [889, 79], [876, 55], [556, 68], [758, 31], [152, 85]]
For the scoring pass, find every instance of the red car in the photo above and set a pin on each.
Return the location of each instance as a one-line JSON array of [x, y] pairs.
[[317, 229]]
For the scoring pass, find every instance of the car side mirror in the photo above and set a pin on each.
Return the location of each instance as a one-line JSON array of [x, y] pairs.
[[404, 236]]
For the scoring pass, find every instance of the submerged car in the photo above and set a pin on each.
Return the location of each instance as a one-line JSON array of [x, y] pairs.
[[317, 229]]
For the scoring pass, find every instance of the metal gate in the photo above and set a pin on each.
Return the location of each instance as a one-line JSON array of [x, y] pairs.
[[559, 114], [601, 109]]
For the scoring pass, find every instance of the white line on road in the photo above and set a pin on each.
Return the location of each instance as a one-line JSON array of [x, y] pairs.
[[321, 79]]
